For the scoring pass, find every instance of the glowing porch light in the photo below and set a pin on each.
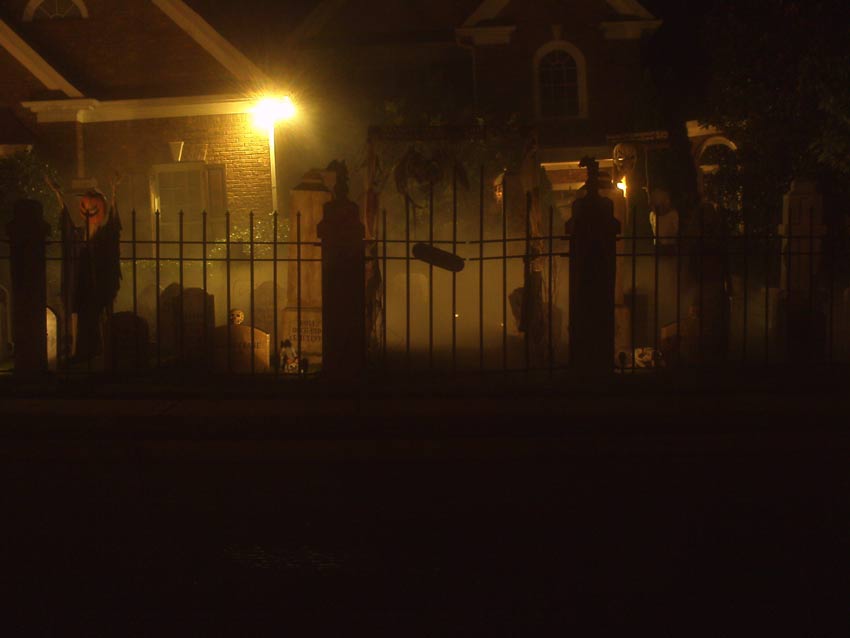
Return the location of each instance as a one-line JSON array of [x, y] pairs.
[[623, 186], [271, 110]]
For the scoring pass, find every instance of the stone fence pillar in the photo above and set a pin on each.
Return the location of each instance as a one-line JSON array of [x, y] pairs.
[[343, 307], [592, 232], [27, 234]]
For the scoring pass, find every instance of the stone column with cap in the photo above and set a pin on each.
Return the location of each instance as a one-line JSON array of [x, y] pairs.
[[307, 201], [592, 231], [343, 271]]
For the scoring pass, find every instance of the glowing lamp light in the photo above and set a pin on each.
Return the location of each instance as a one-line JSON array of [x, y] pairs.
[[271, 110], [622, 186]]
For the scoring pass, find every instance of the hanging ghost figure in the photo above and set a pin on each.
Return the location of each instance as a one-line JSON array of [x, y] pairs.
[[91, 267]]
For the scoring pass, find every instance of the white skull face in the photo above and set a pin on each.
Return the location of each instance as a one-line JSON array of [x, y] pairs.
[[625, 157], [236, 317]]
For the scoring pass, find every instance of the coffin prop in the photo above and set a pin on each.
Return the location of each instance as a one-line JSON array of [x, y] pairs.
[[437, 257]]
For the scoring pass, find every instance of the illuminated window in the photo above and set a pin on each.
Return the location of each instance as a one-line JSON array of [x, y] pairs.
[[560, 81], [54, 10], [191, 187]]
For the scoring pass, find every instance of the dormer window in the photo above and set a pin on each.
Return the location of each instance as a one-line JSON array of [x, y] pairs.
[[561, 83], [54, 10]]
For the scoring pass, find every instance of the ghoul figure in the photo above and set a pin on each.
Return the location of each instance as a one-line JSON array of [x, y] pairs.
[[91, 268]]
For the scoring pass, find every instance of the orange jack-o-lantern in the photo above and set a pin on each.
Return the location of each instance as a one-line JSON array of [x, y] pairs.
[[93, 210]]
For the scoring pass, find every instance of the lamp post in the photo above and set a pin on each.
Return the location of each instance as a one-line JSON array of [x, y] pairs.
[[268, 112]]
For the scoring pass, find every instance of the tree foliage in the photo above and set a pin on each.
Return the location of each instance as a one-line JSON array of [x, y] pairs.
[[780, 88], [22, 177]]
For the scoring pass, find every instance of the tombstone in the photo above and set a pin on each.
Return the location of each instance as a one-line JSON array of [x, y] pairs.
[[680, 342], [187, 322], [803, 319], [52, 340], [5, 325], [127, 346], [27, 232], [163, 322], [198, 324], [146, 303], [593, 231], [841, 324], [242, 351], [311, 332], [264, 297]]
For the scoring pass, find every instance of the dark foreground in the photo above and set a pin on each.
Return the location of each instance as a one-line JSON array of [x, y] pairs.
[[371, 525]]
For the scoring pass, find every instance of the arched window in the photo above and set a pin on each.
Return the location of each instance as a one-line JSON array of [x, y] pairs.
[[54, 10], [560, 79], [717, 163]]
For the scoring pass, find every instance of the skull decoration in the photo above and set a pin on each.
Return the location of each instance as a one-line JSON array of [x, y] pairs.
[[625, 158], [236, 317]]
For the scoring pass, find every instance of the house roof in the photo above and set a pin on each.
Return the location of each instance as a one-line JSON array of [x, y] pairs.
[[488, 10], [266, 30], [255, 25], [35, 63], [70, 76], [211, 40]]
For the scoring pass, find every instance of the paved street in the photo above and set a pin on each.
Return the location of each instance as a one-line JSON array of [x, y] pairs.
[[430, 517]]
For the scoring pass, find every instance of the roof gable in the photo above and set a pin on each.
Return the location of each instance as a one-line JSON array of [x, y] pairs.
[[211, 40], [379, 21], [30, 59], [132, 49], [489, 10]]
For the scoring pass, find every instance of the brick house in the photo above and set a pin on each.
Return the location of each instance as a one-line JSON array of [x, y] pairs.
[[168, 104], [146, 88], [568, 73]]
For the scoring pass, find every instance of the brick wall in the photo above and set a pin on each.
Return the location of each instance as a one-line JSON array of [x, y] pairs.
[[132, 148], [506, 73]]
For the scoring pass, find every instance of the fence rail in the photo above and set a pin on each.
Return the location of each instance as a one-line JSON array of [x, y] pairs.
[[693, 299]]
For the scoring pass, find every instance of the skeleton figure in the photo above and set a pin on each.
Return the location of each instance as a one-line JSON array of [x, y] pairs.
[[91, 268], [625, 158], [288, 358], [237, 316]]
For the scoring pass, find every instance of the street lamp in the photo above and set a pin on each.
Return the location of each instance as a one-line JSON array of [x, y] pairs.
[[268, 112]]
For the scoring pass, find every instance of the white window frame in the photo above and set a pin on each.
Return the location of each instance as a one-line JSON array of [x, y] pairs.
[[581, 76], [717, 140], [32, 5], [179, 167]]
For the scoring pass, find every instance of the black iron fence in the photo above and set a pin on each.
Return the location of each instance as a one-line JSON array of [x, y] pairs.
[[448, 290]]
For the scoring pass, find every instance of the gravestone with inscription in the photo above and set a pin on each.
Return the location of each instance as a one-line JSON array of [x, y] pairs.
[[187, 322], [308, 199], [127, 346], [241, 349]]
